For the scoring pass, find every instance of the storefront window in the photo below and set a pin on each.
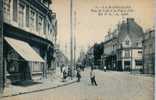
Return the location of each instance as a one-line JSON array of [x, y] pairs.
[[13, 67], [36, 67]]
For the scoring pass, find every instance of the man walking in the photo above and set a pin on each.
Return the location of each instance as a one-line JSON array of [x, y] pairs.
[[78, 74], [92, 77]]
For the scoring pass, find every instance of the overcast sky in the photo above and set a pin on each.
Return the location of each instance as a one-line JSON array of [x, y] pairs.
[[91, 28]]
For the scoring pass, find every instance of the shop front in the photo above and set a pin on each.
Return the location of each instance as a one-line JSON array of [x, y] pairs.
[[21, 61]]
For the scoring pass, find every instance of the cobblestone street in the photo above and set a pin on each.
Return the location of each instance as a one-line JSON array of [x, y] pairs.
[[111, 86]]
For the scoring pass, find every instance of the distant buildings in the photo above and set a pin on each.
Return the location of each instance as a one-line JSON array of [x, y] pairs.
[[89, 57], [126, 48], [149, 52], [28, 35], [60, 59]]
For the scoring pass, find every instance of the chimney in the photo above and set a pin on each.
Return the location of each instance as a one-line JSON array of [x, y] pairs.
[[130, 20]]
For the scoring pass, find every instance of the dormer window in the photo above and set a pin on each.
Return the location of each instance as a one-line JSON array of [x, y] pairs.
[[127, 42], [139, 44], [46, 2]]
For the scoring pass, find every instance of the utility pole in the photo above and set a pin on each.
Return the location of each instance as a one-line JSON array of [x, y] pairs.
[[74, 39], [71, 35], [2, 69]]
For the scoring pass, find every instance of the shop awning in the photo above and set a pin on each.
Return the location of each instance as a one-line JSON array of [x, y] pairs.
[[24, 50]]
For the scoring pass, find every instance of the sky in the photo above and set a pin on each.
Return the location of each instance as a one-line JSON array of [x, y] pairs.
[[91, 28]]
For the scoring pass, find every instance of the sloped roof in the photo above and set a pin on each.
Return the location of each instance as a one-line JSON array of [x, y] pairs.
[[130, 28]]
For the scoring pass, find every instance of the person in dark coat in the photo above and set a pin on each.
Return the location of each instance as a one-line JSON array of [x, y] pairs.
[[78, 74], [70, 73], [64, 75]]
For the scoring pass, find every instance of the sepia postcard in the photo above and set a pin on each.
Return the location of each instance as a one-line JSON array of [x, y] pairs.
[[77, 49]]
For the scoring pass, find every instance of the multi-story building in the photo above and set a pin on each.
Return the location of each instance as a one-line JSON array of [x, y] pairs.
[[149, 51], [123, 47], [98, 51], [29, 31], [110, 50], [130, 45]]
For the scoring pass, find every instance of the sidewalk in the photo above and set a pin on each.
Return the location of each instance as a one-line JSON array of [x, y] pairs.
[[36, 86]]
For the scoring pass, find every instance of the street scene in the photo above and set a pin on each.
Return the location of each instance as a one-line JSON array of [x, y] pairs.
[[77, 50], [111, 86]]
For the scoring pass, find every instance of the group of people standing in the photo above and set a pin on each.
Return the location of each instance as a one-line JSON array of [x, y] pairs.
[[67, 72]]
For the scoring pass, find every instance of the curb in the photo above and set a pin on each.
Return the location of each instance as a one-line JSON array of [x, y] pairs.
[[44, 89]]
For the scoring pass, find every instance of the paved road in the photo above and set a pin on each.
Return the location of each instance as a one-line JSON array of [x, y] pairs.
[[111, 86]]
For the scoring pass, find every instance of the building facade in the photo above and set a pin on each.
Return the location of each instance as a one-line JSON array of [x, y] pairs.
[[29, 34], [149, 52], [110, 51], [89, 57], [123, 47]]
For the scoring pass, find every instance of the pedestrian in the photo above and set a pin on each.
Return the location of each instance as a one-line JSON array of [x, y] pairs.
[[78, 74], [104, 68], [64, 74], [70, 73], [92, 77]]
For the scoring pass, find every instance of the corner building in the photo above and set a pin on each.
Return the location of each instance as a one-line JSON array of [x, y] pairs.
[[123, 48]]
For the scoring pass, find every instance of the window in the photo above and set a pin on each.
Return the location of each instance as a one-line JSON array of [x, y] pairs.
[[140, 52], [127, 62], [139, 44], [36, 67], [48, 28], [13, 67], [40, 25], [27, 16], [127, 42], [7, 10], [32, 20], [138, 62], [15, 10], [127, 53], [119, 55], [21, 16], [45, 2]]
